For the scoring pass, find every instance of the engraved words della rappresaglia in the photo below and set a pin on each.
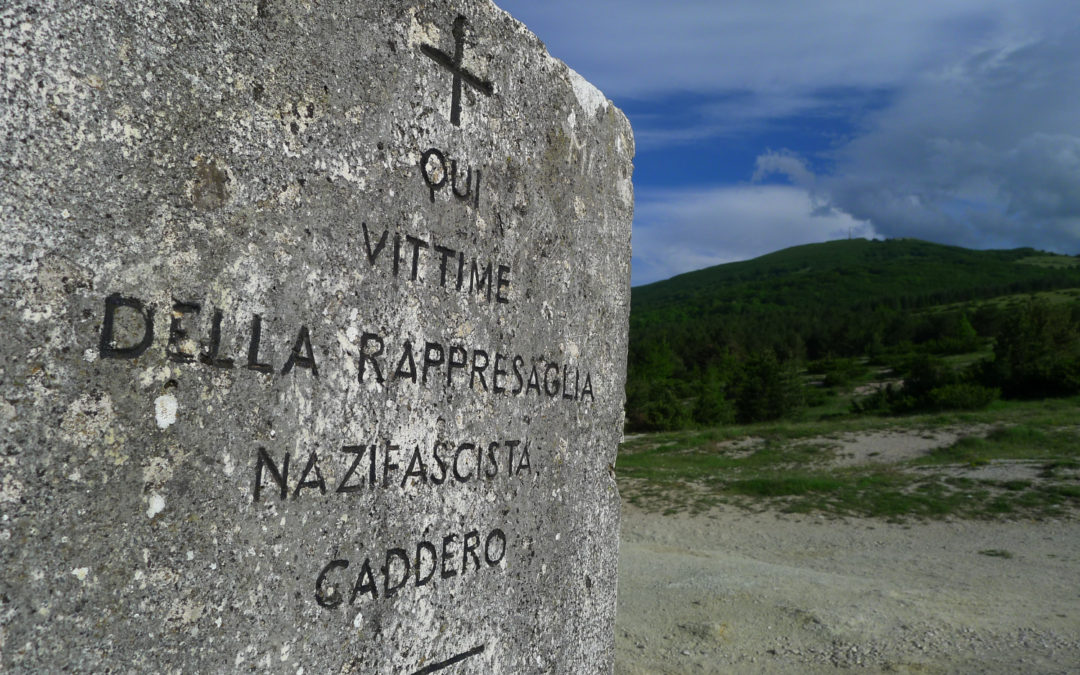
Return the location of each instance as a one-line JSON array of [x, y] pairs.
[[196, 335]]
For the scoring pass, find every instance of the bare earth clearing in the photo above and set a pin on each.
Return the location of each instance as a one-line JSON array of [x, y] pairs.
[[733, 591]]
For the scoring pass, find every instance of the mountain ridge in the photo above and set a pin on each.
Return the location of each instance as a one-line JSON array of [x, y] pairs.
[[903, 272]]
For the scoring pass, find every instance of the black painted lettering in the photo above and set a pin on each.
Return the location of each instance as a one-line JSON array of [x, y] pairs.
[[305, 359], [371, 464], [417, 244], [565, 381], [447, 555], [406, 360], [358, 451], [503, 283], [312, 465], [587, 388], [460, 270], [464, 447], [518, 362], [534, 381], [107, 348], [551, 388], [523, 462], [440, 462], [398, 567], [455, 362], [333, 598], [495, 535], [416, 468], [365, 582], [478, 368], [429, 548], [253, 347], [478, 282], [387, 465], [444, 253], [493, 461], [372, 254], [429, 360], [397, 253], [468, 546], [177, 332], [279, 477], [499, 371], [510, 445], [210, 356], [454, 181], [400, 554], [428, 173], [366, 356]]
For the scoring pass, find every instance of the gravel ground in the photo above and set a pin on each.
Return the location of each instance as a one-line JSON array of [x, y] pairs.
[[732, 591]]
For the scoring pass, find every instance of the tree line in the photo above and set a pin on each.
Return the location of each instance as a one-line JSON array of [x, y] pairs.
[[745, 350]]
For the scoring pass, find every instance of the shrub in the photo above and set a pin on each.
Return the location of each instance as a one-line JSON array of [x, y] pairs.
[[655, 407], [766, 390], [712, 407], [840, 372], [1036, 354], [929, 385], [963, 396]]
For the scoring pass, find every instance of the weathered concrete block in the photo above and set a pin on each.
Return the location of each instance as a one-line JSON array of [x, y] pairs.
[[314, 330]]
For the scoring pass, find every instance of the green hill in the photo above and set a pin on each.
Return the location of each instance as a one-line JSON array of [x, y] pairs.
[[696, 332], [854, 274]]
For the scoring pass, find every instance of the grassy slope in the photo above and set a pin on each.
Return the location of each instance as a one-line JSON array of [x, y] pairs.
[[850, 273], [696, 469], [787, 465]]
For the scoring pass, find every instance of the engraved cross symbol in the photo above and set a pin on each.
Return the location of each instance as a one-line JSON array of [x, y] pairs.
[[453, 64]]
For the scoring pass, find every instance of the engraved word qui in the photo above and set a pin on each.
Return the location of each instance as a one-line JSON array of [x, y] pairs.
[[436, 175], [453, 64]]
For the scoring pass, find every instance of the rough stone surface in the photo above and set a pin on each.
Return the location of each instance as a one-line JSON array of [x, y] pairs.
[[241, 176]]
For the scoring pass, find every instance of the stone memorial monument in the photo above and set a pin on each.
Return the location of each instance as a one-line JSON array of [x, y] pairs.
[[313, 323]]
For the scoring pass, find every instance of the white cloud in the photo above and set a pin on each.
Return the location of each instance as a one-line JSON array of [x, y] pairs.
[[684, 230], [985, 152], [975, 139], [786, 164], [749, 62], [644, 47]]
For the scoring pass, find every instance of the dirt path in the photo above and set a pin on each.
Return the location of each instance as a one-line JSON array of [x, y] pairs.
[[730, 591]]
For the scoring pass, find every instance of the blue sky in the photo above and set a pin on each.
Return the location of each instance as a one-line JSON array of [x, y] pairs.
[[762, 124]]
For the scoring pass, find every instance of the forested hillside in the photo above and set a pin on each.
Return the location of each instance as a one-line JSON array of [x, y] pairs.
[[745, 341]]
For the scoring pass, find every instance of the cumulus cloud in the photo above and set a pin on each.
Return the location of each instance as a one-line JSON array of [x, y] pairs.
[[787, 164], [958, 120], [683, 230], [985, 152]]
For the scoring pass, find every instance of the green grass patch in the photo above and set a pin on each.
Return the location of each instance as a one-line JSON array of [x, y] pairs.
[[959, 362], [1052, 261], [1047, 414], [1022, 442], [786, 486], [788, 466], [1055, 297]]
